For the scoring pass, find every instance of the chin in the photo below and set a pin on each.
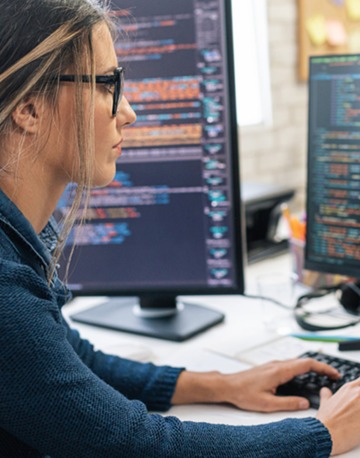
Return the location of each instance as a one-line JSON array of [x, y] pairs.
[[103, 179]]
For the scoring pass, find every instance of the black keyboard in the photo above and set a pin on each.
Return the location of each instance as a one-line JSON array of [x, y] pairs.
[[308, 385]]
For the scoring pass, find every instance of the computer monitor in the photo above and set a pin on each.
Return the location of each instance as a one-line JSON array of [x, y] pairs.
[[170, 223], [333, 177]]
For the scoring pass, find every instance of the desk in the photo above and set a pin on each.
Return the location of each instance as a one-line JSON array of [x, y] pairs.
[[241, 325]]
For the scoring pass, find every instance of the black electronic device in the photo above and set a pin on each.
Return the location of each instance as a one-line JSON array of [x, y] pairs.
[[314, 317], [263, 207], [349, 345], [308, 385], [170, 223], [333, 172]]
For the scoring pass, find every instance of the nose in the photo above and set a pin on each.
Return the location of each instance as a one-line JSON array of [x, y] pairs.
[[125, 115]]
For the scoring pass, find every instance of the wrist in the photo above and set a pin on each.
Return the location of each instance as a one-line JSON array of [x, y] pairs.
[[199, 387]]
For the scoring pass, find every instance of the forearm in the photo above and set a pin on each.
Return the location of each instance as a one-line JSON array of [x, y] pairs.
[[290, 438], [151, 384]]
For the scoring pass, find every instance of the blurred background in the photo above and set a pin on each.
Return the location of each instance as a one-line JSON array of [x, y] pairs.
[[273, 41]]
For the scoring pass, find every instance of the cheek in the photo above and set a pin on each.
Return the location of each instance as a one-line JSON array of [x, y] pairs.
[[103, 131], [66, 120], [68, 141], [64, 153], [98, 128]]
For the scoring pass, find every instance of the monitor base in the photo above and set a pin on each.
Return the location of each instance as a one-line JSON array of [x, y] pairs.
[[118, 314]]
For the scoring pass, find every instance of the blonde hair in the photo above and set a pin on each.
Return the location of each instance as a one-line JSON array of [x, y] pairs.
[[62, 38]]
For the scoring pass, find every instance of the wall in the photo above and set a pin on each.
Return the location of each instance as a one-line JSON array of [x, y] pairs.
[[277, 153]]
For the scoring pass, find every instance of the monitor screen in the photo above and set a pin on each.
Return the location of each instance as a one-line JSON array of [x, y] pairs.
[[170, 222], [333, 189]]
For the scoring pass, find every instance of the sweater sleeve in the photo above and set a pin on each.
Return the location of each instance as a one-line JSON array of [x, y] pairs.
[[52, 401], [153, 385]]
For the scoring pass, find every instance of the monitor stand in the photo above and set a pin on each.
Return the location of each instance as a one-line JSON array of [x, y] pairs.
[[161, 317]]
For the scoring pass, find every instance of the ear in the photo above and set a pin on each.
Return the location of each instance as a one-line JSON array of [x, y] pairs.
[[27, 115]]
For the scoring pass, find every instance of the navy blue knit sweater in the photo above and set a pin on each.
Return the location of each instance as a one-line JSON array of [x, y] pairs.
[[60, 398]]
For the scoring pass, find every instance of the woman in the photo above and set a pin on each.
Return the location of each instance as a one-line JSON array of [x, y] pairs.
[[62, 119]]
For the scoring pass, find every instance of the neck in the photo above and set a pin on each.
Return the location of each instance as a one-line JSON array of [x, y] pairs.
[[35, 199]]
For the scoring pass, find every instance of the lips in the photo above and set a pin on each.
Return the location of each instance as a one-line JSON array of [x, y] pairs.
[[118, 144]]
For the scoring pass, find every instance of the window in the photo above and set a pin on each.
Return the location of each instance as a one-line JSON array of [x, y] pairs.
[[251, 62]]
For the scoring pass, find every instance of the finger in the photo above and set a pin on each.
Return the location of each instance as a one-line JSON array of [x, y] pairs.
[[309, 364], [302, 365], [287, 403], [325, 393]]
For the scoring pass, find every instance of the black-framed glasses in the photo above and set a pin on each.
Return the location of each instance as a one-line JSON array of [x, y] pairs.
[[116, 80]]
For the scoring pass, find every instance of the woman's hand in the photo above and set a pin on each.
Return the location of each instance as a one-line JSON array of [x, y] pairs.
[[253, 389], [340, 413]]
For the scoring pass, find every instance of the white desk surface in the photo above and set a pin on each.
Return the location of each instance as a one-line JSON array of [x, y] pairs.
[[241, 329]]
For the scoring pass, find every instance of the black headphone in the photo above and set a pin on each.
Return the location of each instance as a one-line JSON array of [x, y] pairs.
[[314, 318]]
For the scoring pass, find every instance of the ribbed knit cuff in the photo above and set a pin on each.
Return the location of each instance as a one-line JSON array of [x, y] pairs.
[[160, 397], [322, 435]]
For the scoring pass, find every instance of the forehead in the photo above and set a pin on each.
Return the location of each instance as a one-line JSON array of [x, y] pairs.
[[104, 51]]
